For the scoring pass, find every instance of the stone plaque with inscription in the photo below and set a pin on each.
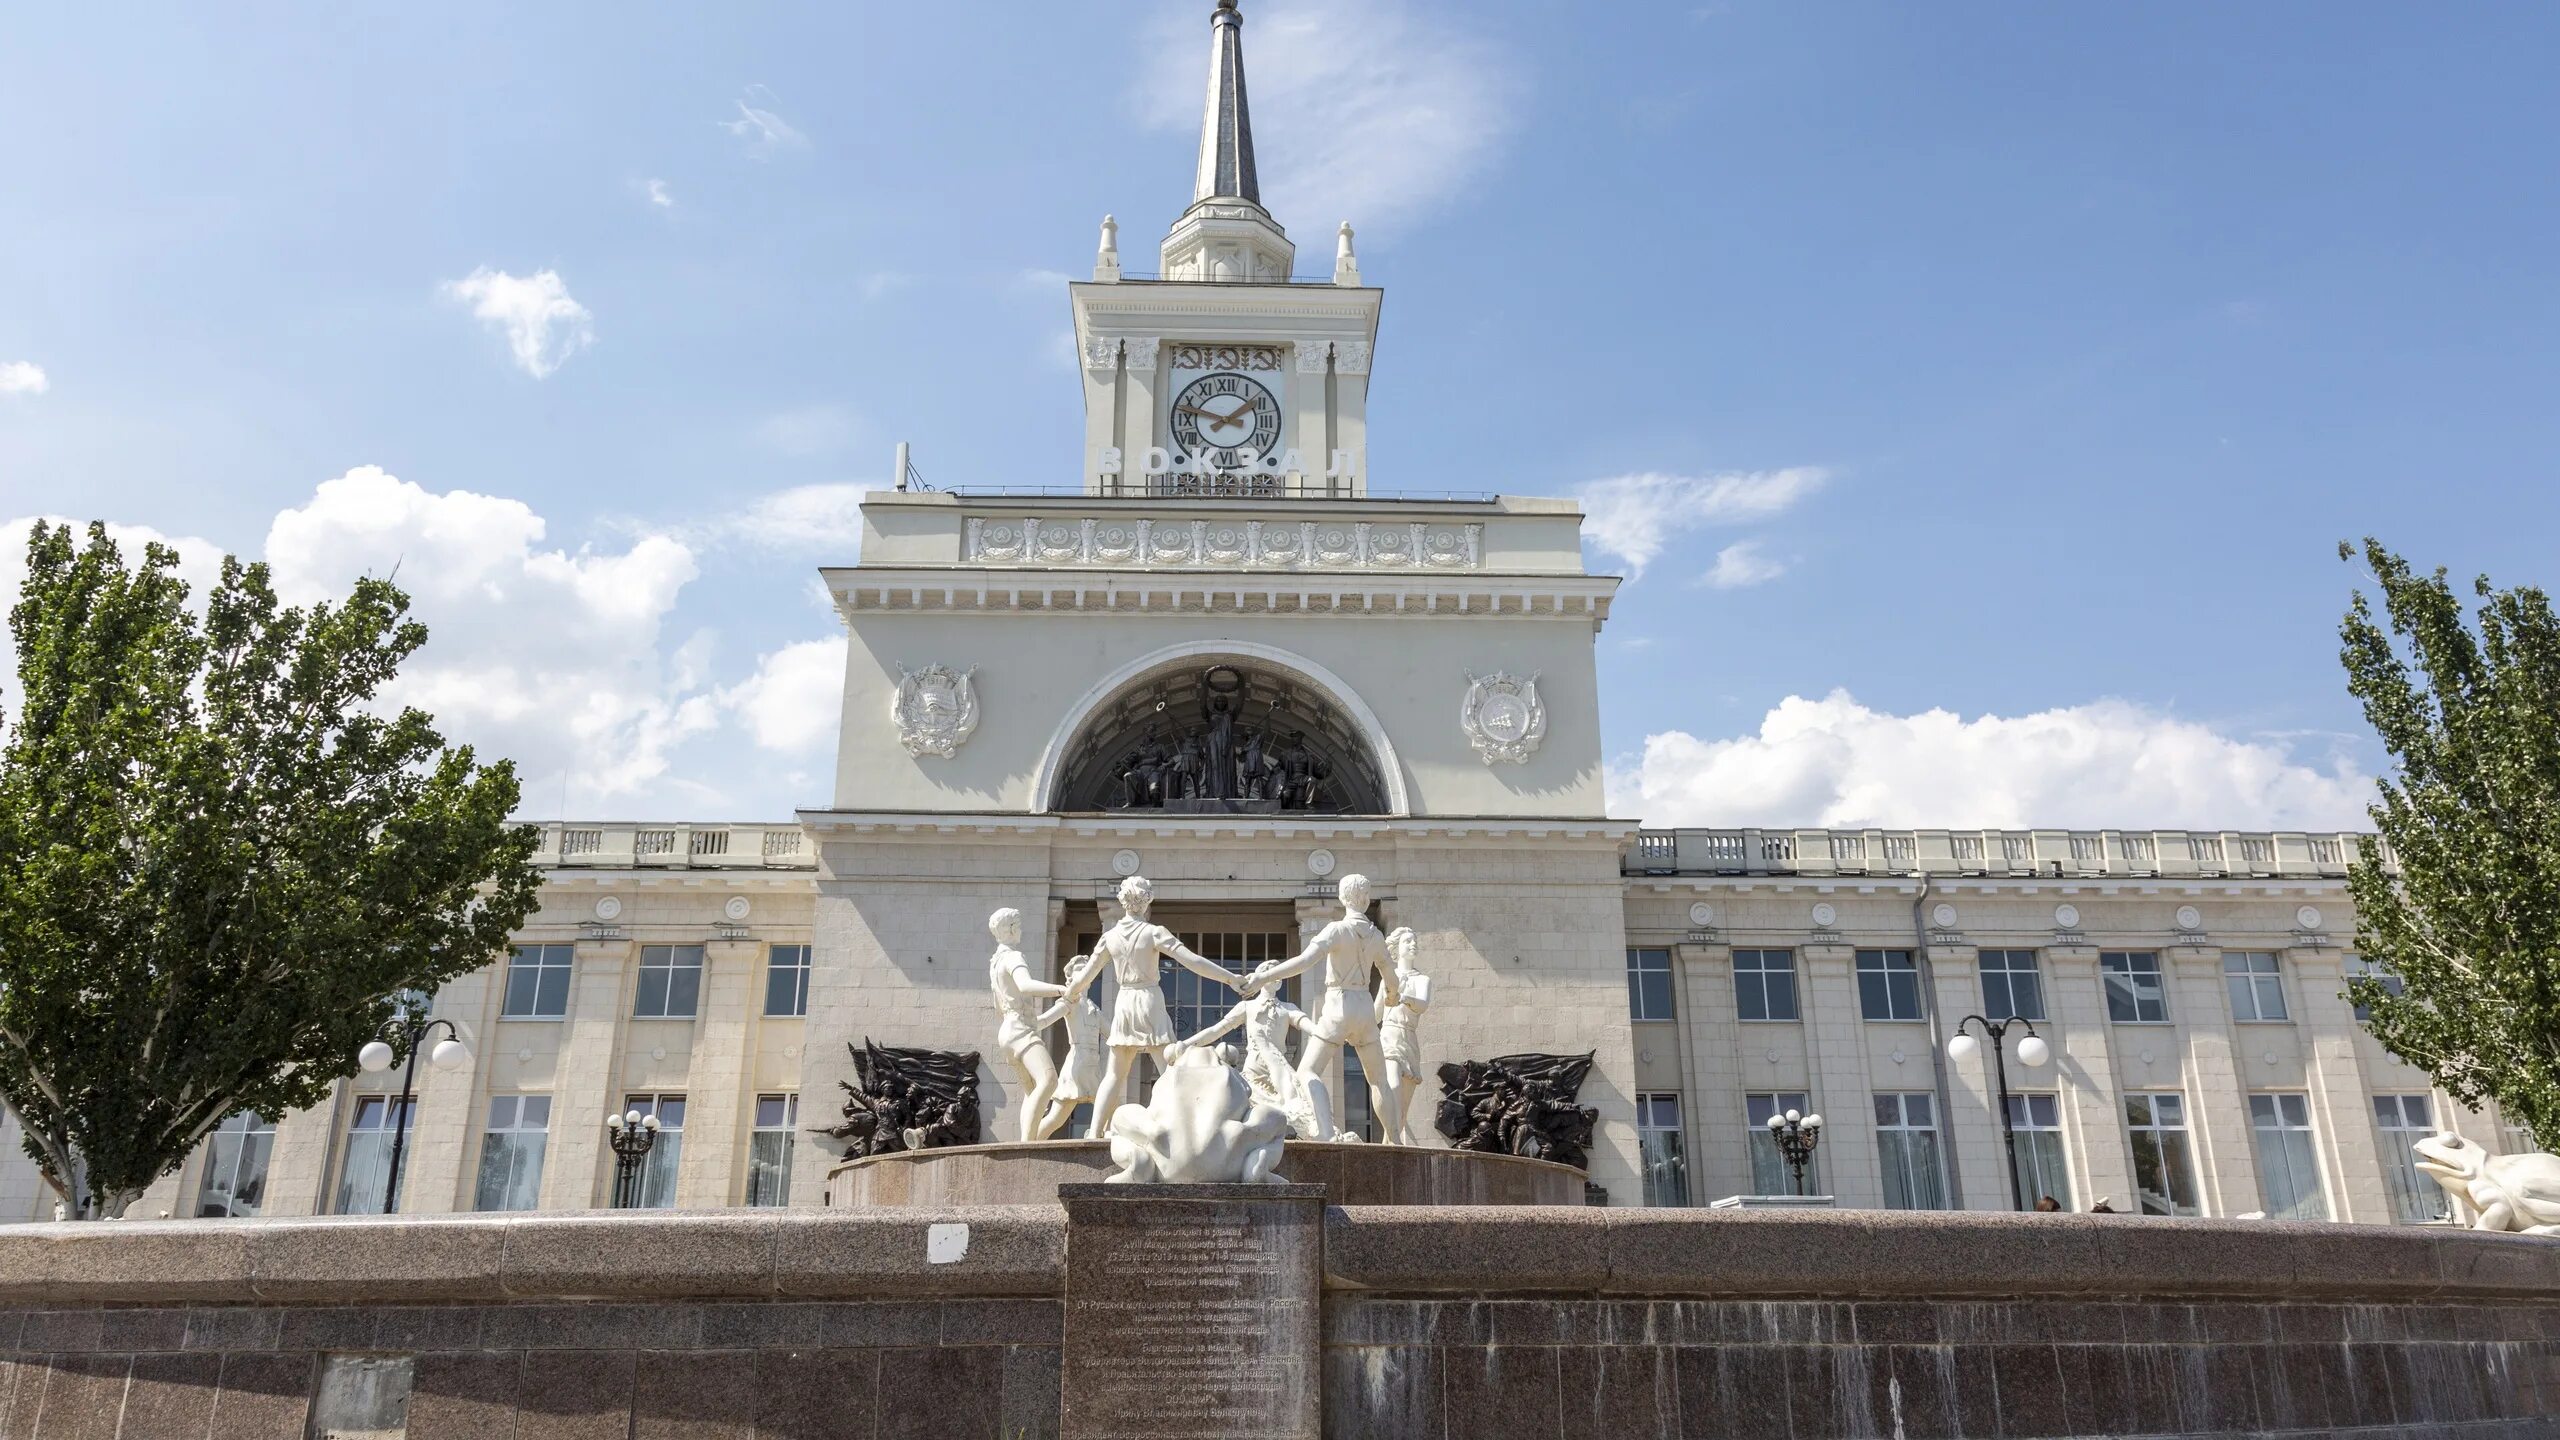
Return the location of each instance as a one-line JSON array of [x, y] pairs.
[[1194, 1312]]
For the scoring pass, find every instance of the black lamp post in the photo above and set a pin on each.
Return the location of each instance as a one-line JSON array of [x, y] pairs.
[[2032, 1050], [400, 1039], [1796, 1136], [632, 1135]]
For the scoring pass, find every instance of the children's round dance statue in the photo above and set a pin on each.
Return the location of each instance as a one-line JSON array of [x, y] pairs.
[[1207, 1120]]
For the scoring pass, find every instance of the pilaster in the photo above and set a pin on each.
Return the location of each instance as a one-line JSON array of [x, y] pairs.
[[2341, 1104], [1971, 1127], [576, 1169], [2226, 1147], [1715, 1144], [1840, 1089], [2084, 1061], [718, 1102]]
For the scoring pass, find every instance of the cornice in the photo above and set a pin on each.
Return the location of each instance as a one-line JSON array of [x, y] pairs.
[[953, 590], [844, 824]]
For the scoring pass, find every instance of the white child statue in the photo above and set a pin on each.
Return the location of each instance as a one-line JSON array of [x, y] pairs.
[[1140, 1024], [1267, 1020], [1080, 1079], [1018, 1022], [1353, 953], [1398, 1037]]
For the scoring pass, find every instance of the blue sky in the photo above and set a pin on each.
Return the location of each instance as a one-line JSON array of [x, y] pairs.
[[2019, 363]]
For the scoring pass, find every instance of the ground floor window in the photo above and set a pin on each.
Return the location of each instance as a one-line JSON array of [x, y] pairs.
[[2044, 1172], [1769, 1172], [769, 1152], [2288, 1161], [1907, 1144], [365, 1174], [511, 1152], [2164, 1154], [658, 1171], [235, 1166], [1666, 1173], [2403, 1121]]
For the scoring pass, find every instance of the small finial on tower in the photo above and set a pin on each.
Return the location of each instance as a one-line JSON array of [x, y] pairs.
[[1346, 265], [1106, 258]]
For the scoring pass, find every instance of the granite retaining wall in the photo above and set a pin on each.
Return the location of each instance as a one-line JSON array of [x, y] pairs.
[[1445, 1323]]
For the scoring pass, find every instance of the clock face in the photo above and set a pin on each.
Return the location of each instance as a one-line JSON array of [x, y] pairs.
[[1225, 421]]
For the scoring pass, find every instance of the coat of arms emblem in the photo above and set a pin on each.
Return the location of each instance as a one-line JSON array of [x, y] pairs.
[[936, 709], [1503, 717]]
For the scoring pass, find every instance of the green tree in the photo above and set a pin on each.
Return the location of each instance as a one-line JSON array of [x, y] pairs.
[[2466, 918], [218, 860]]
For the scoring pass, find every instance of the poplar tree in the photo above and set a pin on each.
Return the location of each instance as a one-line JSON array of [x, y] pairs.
[[219, 859], [2463, 915]]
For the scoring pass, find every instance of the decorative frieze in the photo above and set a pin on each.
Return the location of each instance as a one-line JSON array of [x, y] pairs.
[[1226, 544], [1192, 355]]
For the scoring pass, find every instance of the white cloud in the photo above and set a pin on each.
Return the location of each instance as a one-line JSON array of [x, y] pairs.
[[555, 659], [1835, 762], [1368, 110], [543, 325], [1635, 517], [23, 377], [806, 431], [1742, 564], [880, 284], [764, 131], [793, 703], [659, 195], [822, 520]]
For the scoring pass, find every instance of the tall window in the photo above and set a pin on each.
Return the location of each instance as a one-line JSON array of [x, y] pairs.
[[2257, 984], [769, 1151], [2288, 1161], [1649, 984], [786, 980], [1769, 1173], [2164, 1154], [2359, 966], [235, 1166], [1907, 1143], [2404, 1120], [366, 1170], [511, 1152], [1888, 985], [2518, 1138], [658, 1172], [538, 982], [1666, 1172], [1764, 984], [670, 982], [2012, 988], [2135, 995], [1197, 1004], [2036, 1120]]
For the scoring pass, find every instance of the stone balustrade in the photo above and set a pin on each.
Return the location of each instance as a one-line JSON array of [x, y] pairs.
[[2074, 854], [620, 846]]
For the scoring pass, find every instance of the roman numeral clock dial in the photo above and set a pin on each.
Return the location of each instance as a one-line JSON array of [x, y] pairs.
[[1226, 421]]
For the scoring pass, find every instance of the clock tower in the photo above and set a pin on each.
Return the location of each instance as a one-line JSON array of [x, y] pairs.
[[1223, 374]]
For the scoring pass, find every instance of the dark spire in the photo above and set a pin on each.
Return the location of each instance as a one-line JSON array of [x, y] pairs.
[[1226, 132]]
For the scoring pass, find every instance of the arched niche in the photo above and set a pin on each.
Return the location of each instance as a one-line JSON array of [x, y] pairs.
[[1286, 699]]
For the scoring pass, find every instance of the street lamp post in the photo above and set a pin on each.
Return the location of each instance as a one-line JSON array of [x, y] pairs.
[[2032, 1051], [632, 1135], [410, 1031], [1796, 1136]]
